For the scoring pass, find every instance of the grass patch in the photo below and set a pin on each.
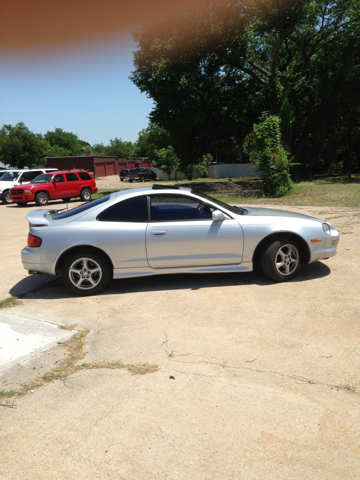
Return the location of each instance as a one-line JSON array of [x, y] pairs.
[[70, 365], [319, 191], [10, 302]]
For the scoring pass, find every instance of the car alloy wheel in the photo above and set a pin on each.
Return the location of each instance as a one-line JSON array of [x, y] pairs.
[[41, 198], [85, 195], [281, 260], [86, 272], [6, 198]]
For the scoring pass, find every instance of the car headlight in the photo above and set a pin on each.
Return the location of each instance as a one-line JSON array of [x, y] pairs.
[[326, 228], [27, 191]]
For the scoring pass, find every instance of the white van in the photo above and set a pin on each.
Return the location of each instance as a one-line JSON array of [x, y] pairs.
[[12, 178]]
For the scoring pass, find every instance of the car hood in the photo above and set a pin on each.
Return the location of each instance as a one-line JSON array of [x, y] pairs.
[[5, 185], [274, 212]]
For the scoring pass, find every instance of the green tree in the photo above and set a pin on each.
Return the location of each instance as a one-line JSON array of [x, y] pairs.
[[151, 139], [166, 160], [65, 143], [120, 149], [267, 152], [21, 148], [212, 73]]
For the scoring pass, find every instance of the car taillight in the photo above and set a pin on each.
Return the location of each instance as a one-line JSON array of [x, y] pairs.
[[34, 241]]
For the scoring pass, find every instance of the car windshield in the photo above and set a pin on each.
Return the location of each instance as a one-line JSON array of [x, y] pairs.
[[233, 209], [10, 177], [44, 178]]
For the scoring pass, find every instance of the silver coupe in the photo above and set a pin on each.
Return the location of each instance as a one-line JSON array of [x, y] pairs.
[[162, 230]]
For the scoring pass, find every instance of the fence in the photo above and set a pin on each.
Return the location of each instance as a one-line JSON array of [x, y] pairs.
[[215, 171], [233, 170]]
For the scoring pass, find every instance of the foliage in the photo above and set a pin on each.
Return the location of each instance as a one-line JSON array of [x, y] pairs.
[[98, 149], [21, 148], [212, 72], [120, 149], [270, 156], [64, 143], [166, 160], [151, 139]]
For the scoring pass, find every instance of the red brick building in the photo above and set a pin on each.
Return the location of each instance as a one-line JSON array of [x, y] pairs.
[[98, 166]]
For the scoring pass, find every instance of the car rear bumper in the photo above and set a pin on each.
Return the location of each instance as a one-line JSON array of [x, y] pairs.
[[31, 261]]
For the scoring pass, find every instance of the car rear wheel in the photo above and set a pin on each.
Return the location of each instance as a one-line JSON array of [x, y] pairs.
[[281, 259], [85, 195], [41, 198], [130, 180], [86, 272], [6, 197]]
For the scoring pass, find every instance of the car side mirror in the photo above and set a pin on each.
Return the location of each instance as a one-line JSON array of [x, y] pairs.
[[218, 216]]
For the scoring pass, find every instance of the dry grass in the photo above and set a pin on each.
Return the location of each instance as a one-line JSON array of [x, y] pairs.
[[70, 365], [9, 302]]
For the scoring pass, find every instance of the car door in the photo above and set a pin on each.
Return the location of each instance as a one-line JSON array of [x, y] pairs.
[[59, 186], [121, 230], [182, 233], [72, 185]]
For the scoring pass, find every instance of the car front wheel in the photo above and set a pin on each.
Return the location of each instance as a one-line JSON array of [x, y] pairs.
[[85, 195], [41, 199], [86, 272], [281, 260], [6, 197]]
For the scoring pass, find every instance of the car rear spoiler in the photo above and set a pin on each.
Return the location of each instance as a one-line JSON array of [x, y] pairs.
[[37, 218]]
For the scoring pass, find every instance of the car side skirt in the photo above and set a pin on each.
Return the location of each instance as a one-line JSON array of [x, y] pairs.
[[144, 272]]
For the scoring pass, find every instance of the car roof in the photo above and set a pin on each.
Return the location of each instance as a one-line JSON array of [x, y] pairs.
[[69, 171]]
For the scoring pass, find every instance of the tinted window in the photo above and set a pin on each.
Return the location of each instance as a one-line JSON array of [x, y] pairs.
[[173, 207], [59, 178], [26, 177], [44, 178], [81, 208], [71, 177], [131, 210], [84, 176]]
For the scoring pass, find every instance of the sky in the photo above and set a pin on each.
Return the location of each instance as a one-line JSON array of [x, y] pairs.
[[80, 86]]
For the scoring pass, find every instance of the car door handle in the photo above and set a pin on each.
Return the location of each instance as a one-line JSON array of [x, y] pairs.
[[158, 233]]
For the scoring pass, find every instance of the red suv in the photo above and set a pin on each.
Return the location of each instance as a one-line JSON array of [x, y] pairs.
[[53, 186]]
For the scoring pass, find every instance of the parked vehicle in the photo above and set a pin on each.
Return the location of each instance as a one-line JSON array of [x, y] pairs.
[[162, 230], [54, 186], [141, 174], [123, 174], [16, 177]]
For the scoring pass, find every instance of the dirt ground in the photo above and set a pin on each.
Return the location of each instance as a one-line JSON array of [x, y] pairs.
[[255, 380]]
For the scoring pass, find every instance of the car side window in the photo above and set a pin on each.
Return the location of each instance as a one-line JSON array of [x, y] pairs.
[[28, 176], [168, 208], [133, 210], [84, 176], [71, 177], [59, 178]]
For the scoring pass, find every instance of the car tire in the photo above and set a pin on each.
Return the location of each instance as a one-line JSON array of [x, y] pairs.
[[41, 199], [281, 259], [86, 272], [22, 204], [130, 180], [86, 195], [121, 179], [6, 198]]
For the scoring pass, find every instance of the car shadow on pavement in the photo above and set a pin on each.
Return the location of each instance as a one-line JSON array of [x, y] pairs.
[[53, 287]]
